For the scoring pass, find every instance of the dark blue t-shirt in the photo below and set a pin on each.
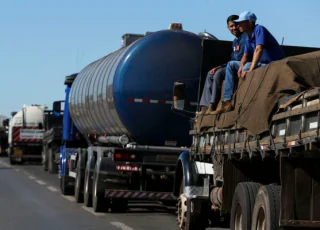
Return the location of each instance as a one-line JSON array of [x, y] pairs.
[[271, 48], [238, 47]]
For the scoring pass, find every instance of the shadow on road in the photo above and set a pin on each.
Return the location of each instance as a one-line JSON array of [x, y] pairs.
[[138, 209]]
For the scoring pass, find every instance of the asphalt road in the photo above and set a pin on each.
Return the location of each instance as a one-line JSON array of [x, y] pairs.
[[30, 199]]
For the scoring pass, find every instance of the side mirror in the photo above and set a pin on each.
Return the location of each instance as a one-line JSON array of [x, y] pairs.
[[179, 95], [13, 113]]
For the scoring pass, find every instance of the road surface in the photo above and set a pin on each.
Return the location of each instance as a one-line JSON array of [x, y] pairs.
[[30, 199]]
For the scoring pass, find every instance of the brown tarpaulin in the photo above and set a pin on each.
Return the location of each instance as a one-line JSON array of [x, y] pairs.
[[260, 91]]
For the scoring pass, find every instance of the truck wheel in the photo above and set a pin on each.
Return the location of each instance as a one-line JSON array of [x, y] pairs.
[[119, 205], [45, 158], [66, 189], [78, 188], [99, 202], [188, 220], [88, 181], [242, 205], [12, 162], [52, 166], [87, 188], [266, 209]]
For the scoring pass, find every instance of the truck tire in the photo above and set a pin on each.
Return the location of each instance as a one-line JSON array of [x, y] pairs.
[[12, 161], [66, 189], [52, 166], [79, 185], [88, 184], [87, 188], [266, 209], [99, 202], [188, 220], [242, 205], [45, 158]]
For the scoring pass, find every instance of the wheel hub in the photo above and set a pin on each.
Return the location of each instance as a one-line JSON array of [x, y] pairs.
[[182, 211]]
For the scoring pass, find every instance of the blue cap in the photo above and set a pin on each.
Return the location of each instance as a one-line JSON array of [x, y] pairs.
[[247, 15]]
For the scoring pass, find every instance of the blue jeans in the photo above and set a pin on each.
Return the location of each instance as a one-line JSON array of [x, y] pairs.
[[212, 88], [232, 77]]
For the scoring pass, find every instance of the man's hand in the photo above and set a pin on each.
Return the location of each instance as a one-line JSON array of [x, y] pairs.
[[212, 72], [240, 71], [243, 73]]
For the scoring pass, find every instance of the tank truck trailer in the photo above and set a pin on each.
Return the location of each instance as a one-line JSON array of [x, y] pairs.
[[52, 137], [256, 167], [25, 134], [121, 140]]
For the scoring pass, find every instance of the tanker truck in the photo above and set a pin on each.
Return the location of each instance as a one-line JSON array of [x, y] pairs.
[[26, 133], [256, 166], [3, 135], [121, 137]]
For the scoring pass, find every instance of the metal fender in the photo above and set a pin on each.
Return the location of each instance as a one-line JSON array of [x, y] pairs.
[[186, 172]]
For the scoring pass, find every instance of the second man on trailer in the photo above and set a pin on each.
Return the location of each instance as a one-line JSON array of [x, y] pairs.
[[212, 88]]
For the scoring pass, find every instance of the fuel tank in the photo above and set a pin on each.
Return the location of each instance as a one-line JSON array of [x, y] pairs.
[[129, 92]]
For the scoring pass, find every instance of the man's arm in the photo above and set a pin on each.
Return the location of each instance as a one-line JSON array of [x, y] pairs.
[[256, 57], [260, 43]]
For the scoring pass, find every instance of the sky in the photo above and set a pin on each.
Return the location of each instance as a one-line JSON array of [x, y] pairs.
[[43, 41]]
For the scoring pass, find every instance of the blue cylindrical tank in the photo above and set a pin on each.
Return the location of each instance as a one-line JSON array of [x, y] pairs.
[[130, 90]]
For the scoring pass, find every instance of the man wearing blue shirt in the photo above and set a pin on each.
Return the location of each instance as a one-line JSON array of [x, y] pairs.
[[261, 47], [212, 88]]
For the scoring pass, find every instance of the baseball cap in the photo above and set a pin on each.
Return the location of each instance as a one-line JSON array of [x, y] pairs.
[[247, 15]]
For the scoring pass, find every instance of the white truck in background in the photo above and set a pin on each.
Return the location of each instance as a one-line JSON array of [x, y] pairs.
[[26, 134]]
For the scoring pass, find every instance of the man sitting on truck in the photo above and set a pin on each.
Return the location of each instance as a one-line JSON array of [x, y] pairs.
[[215, 77], [261, 47]]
